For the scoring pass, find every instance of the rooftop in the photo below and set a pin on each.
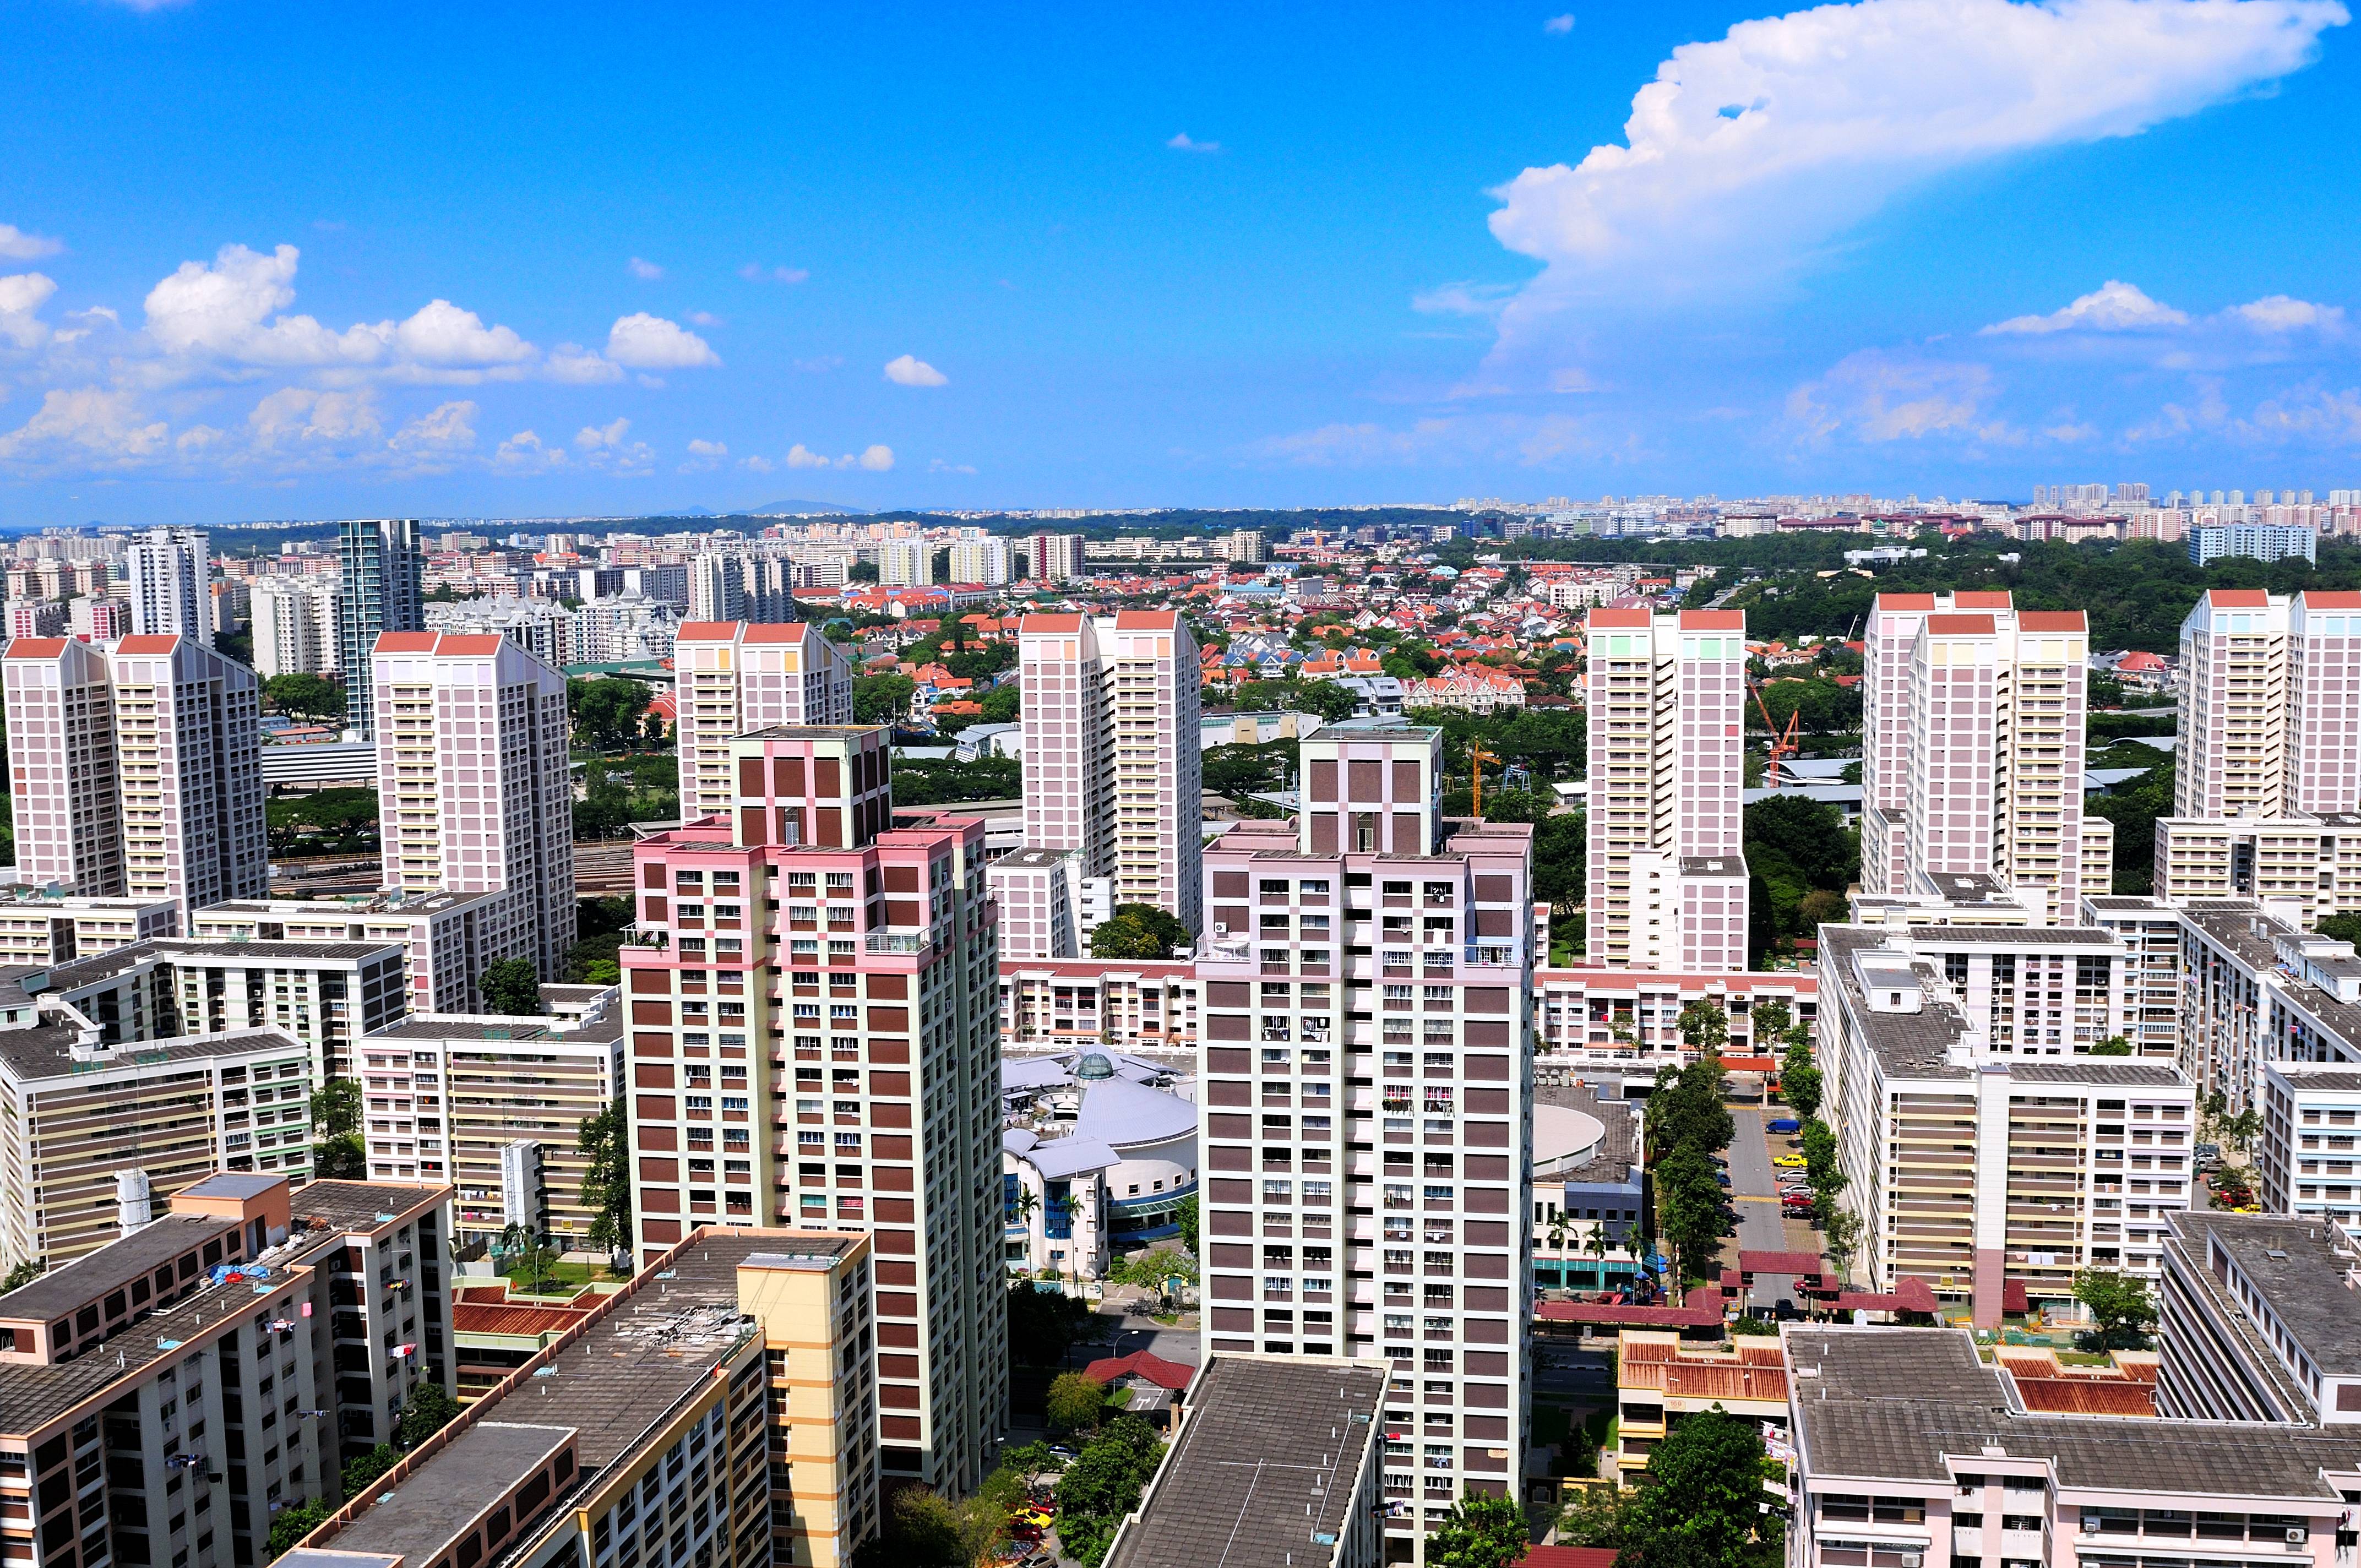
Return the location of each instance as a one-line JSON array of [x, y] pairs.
[[2302, 1269], [45, 1050], [84, 1280], [1896, 1403], [1265, 1471], [434, 1503], [1908, 1045]]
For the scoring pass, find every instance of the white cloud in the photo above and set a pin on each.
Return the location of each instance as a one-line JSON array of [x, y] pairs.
[[1464, 299], [802, 457], [938, 465], [1560, 24], [646, 271], [524, 451], [2111, 307], [591, 437], [450, 428], [610, 446], [1875, 397], [757, 464], [877, 459], [576, 365], [702, 318], [2272, 313], [88, 427], [218, 312], [1183, 142], [704, 455], [298, 416], [16, 245], [20, 296], [442, 334], [1750, 153], [756, 272], [905, 371], [644, 342]]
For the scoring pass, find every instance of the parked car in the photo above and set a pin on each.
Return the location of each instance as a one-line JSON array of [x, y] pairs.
[[1785, 1125], [1791, 1162]]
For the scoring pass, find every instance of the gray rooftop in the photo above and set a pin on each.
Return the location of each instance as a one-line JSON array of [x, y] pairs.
[[1732, 866], [2019, 935], [434, 1503], [45, 1050], [2298, 1268], [228, 952], [1268, 1461], [1893, 1403], [112, 1267], [1908, 1045], [481, 1029], [2109, 1072], [2319, 1075]]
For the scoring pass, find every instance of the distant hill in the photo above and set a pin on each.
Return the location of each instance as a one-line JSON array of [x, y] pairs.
[[804, 507]]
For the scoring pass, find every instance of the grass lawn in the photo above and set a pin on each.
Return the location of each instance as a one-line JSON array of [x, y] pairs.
[[557, 1280]]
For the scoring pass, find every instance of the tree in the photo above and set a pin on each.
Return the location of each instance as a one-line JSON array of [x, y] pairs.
[[363, 1468], [2342, 929], [1002, 705], [1137, 931], [2122, 1312], [511, 988], [431, 1409], [2113, 1045], [1074, 1402], [336, 1106], [606, 711], [1185, 1211], [293, 1523], [1839, 1235], [1479, 1531], [1702, 1508], [339, 1154], [304, 696], [24, 1273], [882, 699], [530, 1257], [1103, 1484], [605, 1141], [1704, 1025], [1042, 1324], [1598, 1517], [1688, 1209]]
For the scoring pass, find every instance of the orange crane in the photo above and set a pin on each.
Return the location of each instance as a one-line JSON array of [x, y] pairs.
[[1476, 758], [1784, 743]]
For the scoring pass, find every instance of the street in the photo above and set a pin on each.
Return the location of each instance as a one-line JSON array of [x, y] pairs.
[[1754, 1191]]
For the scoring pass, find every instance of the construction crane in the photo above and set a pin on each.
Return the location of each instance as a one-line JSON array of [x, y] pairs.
[[1784, 743], [1476, 758]]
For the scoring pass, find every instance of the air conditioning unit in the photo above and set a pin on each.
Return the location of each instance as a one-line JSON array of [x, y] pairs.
[[2298, 1536], [1913, 1559]]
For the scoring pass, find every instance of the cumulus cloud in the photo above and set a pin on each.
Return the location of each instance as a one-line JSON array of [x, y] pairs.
[[1559, 24], [576, 365], [906, 371], [1878, 397], [802, 457], [610, 446], [757, 464], [20, 297], [443, 334], [299, 416], [2272, 313], [704, 455], [450, 428], [16, 245], [643, 342], [2111, 307], [87, 427], [523, 452], [1183, 142], [646, 271], [219, 312], [1749, 154], [756, 272], [877, 458]]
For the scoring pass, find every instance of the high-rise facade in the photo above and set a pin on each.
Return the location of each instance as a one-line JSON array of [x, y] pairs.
[[1052, 557], [812, 1043], [731, 677], [1666, 696], [2270, 705], [980, 557], [1366, 1017], [905, 562], [170, 574], [473, 788], [136, 769], [295, 625], [382, 562], [1972, 750]]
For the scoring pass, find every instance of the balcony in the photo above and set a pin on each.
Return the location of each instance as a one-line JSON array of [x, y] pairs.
[[908, 943]]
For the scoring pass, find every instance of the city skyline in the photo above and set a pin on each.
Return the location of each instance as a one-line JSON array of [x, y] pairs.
[[1724, 244]]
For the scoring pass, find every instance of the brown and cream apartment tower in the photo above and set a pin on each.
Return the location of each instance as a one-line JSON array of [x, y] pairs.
[[1366, 1008], [813, 1042]]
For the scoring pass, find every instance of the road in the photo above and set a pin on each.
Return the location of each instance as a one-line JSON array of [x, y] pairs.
[[1756, 1191]]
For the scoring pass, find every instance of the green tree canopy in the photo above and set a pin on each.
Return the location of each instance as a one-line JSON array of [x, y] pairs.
[[1074, 1402], [2122, 1312], [293, 1523], [1480, 1531], [511, 988], [1702, 1506], [430, 1410], [882, 699], [304, 696], [1103, 1484], [1136, 931], [606, 711], [605, 1142], [1042, 1324]]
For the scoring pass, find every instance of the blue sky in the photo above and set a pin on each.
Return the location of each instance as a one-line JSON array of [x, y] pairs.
[[262, 260]]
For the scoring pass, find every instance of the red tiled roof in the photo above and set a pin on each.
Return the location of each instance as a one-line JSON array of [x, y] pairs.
[[1905, 602], [405, 642], [775, 631], [1984, 599], [1960, 625], [1608, 615], [706, 631], [2052, 621], [1145, 621], [37, 647], [463, 644], [2086, 1396], [1172, 1374], [1567, 1557], [1702, 1308], [1052, 624], [2325, 598], [151, 644], [2238, 598], [1752, 1262], [1713, 620], [482, 1318]]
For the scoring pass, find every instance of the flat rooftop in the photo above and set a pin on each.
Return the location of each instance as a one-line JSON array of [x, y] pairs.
[[483, 1030], [436, 1502], [2112, 1072], [45, 1050], [2298, 1268], [2018, 936], [1908, 1045], [1896, 1403], [1266, 1466], [230, 951], [112, 1267], [2319, 1075]]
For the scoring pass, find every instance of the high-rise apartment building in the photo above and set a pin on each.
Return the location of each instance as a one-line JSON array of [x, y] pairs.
[[550, 632], [1972, 743], [812, 1043], [1668, 882], [382, 562], [170, 578], [733, 677], [295, 625], [474, 787], [980, 557], [136, 769], [2270, 705], [1113, 771], [1052, 557], [1366, 1017], [717, 587], [905, 562]]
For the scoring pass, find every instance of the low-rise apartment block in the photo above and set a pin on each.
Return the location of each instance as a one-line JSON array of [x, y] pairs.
[[39, 927], [1064, 1004], [2308, 863], [1660, 1377], [171, 1391], [448, 937], [2255, 1322], [1988, 1168], [1908, 1446], [1628, 1021], [720, 1410], [326, 994], [495, 1106], [2257, 990]]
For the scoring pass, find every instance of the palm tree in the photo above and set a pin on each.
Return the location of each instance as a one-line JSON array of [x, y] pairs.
[[1597, 1247], [1028, 1202]]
